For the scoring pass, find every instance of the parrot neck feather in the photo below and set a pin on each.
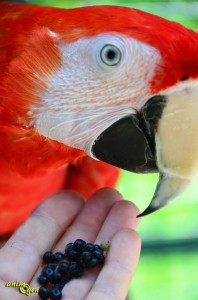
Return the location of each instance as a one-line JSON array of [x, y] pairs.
[[24, 81], [31, 154]]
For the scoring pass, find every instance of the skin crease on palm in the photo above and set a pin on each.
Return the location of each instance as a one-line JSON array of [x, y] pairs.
[[61, 219]]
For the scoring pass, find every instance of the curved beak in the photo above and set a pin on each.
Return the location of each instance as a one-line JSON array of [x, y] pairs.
[[162, 137], [168, 187], [176, 143]]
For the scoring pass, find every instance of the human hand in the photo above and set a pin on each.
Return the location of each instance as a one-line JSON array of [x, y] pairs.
[[63, 218]]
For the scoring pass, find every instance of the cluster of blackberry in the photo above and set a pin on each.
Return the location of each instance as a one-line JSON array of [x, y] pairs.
[[60, 267]]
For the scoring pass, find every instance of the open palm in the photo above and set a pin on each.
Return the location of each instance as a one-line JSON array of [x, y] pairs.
[[61, 219]]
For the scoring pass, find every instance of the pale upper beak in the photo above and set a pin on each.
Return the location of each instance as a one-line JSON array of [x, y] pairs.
[[176, 146], [163, 137]]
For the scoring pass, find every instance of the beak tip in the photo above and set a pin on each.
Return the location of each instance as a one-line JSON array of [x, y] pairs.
[[150, 209], [168, 188]]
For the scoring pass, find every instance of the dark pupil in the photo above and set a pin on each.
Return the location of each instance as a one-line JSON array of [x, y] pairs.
[[111, 54]]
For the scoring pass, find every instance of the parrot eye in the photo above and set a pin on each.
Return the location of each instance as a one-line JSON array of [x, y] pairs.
[[110, 55]]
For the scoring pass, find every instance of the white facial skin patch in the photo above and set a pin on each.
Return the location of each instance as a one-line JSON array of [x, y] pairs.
[[91, 91]]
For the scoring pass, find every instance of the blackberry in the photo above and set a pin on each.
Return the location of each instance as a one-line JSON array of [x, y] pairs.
[[97, 247], [78, 245], [48, 273], [89, 247], [43, 293], [63, 267], [55, 294], [56, 278], [73, 255], [51, 266], [43, 280], [78, 272], [64, 280], [92, 263], [65, 256], [86, 256], [58, 256], [68, 247], [73, 265], [99, 255], [48, 257], [101, 259], [81, 263]]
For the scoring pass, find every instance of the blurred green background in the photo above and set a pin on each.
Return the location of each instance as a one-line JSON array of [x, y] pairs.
[[168, 267]]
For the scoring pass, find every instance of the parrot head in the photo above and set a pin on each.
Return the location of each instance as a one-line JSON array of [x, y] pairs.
[[121, 85]]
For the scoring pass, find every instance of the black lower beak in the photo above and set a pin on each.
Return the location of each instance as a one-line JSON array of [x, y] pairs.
[[129, 143], [125, 145]]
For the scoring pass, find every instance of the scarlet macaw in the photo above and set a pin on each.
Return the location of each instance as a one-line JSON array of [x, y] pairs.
[[85, 85]]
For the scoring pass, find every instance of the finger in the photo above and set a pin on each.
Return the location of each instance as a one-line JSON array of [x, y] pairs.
[[21, 255], [114, 279], [122, 215], [88, 223]]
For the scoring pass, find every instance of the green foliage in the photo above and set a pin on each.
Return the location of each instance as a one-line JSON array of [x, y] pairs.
[[181, 11], [171, 276]]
